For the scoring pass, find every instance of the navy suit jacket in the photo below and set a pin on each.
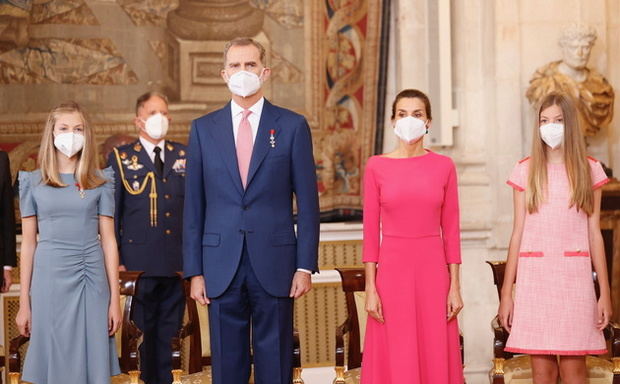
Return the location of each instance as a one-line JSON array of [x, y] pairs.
[[156, 250], [219, 213]]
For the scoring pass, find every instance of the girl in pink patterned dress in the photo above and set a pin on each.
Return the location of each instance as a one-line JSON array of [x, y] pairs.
[[556, 240]]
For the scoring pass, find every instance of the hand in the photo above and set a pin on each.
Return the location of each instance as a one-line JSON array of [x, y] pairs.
[[302, 284], [506, 306], [122, 268], [114, 317], [197, 290], [373, 305], [604, 312], [8, 280], [455, 303], [24, 320]]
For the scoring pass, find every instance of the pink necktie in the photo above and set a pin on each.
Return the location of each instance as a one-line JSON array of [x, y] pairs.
[[244, 147]]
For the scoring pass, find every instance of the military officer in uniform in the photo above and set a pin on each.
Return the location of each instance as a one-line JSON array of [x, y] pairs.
[[150, 178]]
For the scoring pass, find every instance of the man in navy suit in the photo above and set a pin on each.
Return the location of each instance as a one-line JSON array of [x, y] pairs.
[[246, 162], [149, 190]]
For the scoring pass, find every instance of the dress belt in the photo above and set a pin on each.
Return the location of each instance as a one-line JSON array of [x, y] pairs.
[[411, 236]]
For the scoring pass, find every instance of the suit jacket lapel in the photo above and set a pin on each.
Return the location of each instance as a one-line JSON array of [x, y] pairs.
[[222, 133], [261, 144]]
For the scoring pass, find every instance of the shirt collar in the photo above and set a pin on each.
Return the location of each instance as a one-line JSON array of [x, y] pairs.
[[256, 109], [149, 147]]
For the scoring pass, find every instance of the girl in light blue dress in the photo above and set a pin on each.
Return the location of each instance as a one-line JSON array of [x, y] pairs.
[[69, 299]]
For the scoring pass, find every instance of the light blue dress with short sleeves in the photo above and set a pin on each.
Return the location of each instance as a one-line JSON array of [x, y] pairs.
[[69, 340]]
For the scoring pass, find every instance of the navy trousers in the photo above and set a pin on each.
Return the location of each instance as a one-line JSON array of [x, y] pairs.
[[158, 311], [247, 312]]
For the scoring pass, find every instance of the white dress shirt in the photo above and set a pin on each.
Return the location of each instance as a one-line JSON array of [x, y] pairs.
[[149, 147], [254, 118]]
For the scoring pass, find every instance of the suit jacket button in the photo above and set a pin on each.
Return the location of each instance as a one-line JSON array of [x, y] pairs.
[[166, 196], [168, 231], [167, 214], [246, 207], [165, 180], [131, 240]]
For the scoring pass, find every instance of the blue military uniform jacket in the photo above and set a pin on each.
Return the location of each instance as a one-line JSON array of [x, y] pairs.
[[149, 208]]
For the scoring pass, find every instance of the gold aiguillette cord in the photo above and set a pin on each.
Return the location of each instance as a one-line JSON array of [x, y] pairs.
[[152, 194]]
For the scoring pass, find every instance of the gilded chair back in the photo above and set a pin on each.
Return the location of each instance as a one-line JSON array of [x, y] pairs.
[[353, 285], [195, 332], [498, 268], [129, 334]]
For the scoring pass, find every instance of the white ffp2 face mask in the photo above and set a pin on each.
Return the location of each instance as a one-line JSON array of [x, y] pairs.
[[409, 129], [552, 134], [156, 126], [244, 83], [69, 143]]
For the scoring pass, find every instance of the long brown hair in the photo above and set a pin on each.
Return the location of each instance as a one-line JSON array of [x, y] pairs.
[[87, 172], [575, 160]]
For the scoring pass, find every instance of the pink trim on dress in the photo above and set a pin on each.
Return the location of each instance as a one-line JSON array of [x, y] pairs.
[[550, 352], [600, 183], [515, 186], [577, 253], [531, 254]]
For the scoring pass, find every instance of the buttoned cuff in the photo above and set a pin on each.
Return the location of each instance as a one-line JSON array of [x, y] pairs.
[[304, 270]]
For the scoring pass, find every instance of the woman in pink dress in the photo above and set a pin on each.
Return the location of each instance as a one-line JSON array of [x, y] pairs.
[[555, 241], [412, 256]]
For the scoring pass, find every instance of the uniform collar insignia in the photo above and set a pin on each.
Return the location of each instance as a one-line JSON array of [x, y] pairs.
[[135, 165]]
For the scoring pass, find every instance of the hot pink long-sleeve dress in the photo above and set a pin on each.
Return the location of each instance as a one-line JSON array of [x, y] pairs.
[[411, 229]]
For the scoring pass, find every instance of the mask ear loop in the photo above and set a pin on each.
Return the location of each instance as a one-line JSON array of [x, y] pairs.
[[260, 77]]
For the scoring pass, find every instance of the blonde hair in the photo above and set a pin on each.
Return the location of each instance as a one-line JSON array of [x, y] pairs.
[[575, 159], [86, 171]]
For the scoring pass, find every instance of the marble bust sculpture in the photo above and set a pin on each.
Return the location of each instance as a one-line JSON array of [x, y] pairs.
[[592, 92]]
